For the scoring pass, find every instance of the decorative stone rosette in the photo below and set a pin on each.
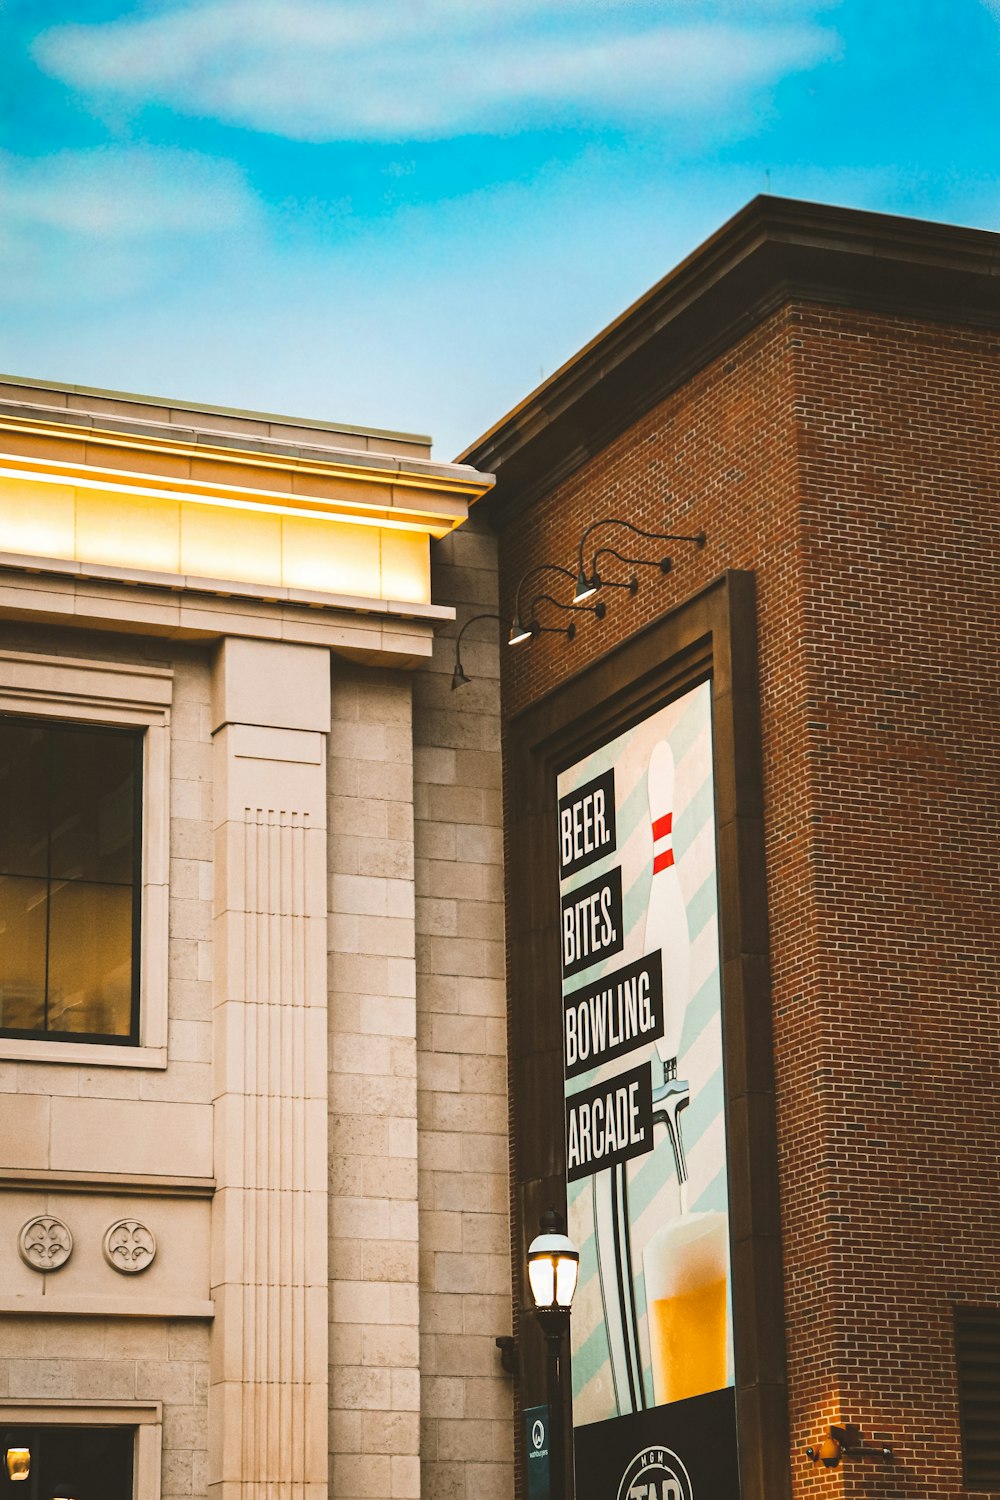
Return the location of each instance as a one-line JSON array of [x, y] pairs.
[[129, 1246], [45, 1243]]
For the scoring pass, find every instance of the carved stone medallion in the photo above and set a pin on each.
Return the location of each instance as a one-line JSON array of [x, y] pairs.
[[129, 1246], [45, 1243]]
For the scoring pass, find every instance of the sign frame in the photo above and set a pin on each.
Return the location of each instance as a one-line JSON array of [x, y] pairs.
[[711, 637]]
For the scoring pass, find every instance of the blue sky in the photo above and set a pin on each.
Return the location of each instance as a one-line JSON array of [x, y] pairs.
[[406, 213]]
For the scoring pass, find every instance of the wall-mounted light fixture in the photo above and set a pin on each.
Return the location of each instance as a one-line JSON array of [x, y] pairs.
[[598, 610], [509, 1362], [517, 631], [458, 677], [587, 584], [525, 627], [844, 1442], [525, 624]]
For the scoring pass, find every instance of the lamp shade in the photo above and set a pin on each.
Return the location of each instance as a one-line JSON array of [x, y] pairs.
[[586, 587], [553, 1268]]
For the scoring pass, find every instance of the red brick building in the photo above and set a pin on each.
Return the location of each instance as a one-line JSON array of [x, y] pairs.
[[818, 392]]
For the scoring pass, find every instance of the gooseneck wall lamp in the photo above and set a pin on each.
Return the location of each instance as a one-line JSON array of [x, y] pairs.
[[458, 677], [844, 1442], [587, 584], [553, 1268], [526, 627], [525, 624]]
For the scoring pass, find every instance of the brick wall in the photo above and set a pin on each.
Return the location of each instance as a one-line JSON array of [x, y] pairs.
[[851, 462]]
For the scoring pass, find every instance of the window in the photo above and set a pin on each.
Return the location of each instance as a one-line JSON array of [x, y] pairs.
[[78, 1463], [977, 1352], [86, 1450], [84, 860], [70, 820]]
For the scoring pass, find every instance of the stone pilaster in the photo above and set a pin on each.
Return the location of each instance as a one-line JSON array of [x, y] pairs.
[[465, 1299], [268, 1402], [374, 1353]]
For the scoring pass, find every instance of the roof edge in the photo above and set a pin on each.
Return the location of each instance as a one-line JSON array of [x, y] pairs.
[[199, 408], [772, 251]]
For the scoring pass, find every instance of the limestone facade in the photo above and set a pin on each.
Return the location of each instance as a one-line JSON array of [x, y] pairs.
[[309, 1127]]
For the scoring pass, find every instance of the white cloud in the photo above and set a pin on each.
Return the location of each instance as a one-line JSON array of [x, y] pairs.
[[322, 70], [105, 222], [125, 191]]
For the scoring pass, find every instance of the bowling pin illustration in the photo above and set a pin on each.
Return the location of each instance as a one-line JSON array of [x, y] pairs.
[[666, 930], [666, 914]]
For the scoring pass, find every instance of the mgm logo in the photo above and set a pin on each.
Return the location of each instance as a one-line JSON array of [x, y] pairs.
[[655, 1474]]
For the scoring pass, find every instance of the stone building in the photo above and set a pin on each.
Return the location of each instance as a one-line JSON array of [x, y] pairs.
[[282, 1098], [812, 398], [253, 1158]]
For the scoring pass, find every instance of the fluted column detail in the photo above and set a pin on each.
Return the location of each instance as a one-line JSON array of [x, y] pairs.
[[269, 1401]]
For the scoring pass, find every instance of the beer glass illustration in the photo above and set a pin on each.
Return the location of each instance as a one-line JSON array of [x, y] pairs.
[[685, 1267]]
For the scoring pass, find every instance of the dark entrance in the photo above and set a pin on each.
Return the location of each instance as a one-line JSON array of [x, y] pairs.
[[70, 1463]]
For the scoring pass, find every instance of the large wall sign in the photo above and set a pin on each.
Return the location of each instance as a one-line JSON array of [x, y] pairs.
[[648, 1198]]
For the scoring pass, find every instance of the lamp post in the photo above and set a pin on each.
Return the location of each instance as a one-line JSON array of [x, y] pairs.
[[553, 1268]]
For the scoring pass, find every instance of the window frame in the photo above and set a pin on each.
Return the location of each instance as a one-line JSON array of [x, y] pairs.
[[123, 696], [145, 1418], [131, 1038]]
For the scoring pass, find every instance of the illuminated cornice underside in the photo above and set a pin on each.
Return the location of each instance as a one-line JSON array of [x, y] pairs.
[[161, 532], [437, 519], [223, 588], [385, 487]]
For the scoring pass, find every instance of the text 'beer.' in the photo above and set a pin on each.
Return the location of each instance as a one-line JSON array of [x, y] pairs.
[[587, 824]]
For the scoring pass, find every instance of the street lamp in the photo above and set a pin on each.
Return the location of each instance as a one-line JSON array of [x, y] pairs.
[[553, 1268]]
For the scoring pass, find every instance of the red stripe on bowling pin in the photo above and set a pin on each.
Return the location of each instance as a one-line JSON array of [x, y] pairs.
[[662, 828]]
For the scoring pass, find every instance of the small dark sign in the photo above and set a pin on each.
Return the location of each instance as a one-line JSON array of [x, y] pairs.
[[685, 1451], [587, 824], [592, 923], [610, 1123], [611, 1016], [536, 1447]]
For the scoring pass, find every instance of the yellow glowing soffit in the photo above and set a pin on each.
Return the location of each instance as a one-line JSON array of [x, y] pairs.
[[341, 465], [229, 497]]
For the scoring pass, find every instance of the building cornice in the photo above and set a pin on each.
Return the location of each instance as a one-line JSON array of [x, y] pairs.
[[322, 480], [774, 251], [102, 489]]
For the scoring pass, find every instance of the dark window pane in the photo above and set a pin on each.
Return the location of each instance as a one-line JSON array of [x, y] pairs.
[[85, 1463], [22, 953], [92, 798], [90, 958], [23, 800]]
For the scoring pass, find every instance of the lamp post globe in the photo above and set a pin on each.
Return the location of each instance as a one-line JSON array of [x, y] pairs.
[[553, 1269]]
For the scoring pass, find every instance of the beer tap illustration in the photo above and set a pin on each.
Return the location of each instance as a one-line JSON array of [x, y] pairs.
[[666, 931]]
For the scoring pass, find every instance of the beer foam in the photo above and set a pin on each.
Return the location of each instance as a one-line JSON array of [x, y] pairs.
[[685, 1254]]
